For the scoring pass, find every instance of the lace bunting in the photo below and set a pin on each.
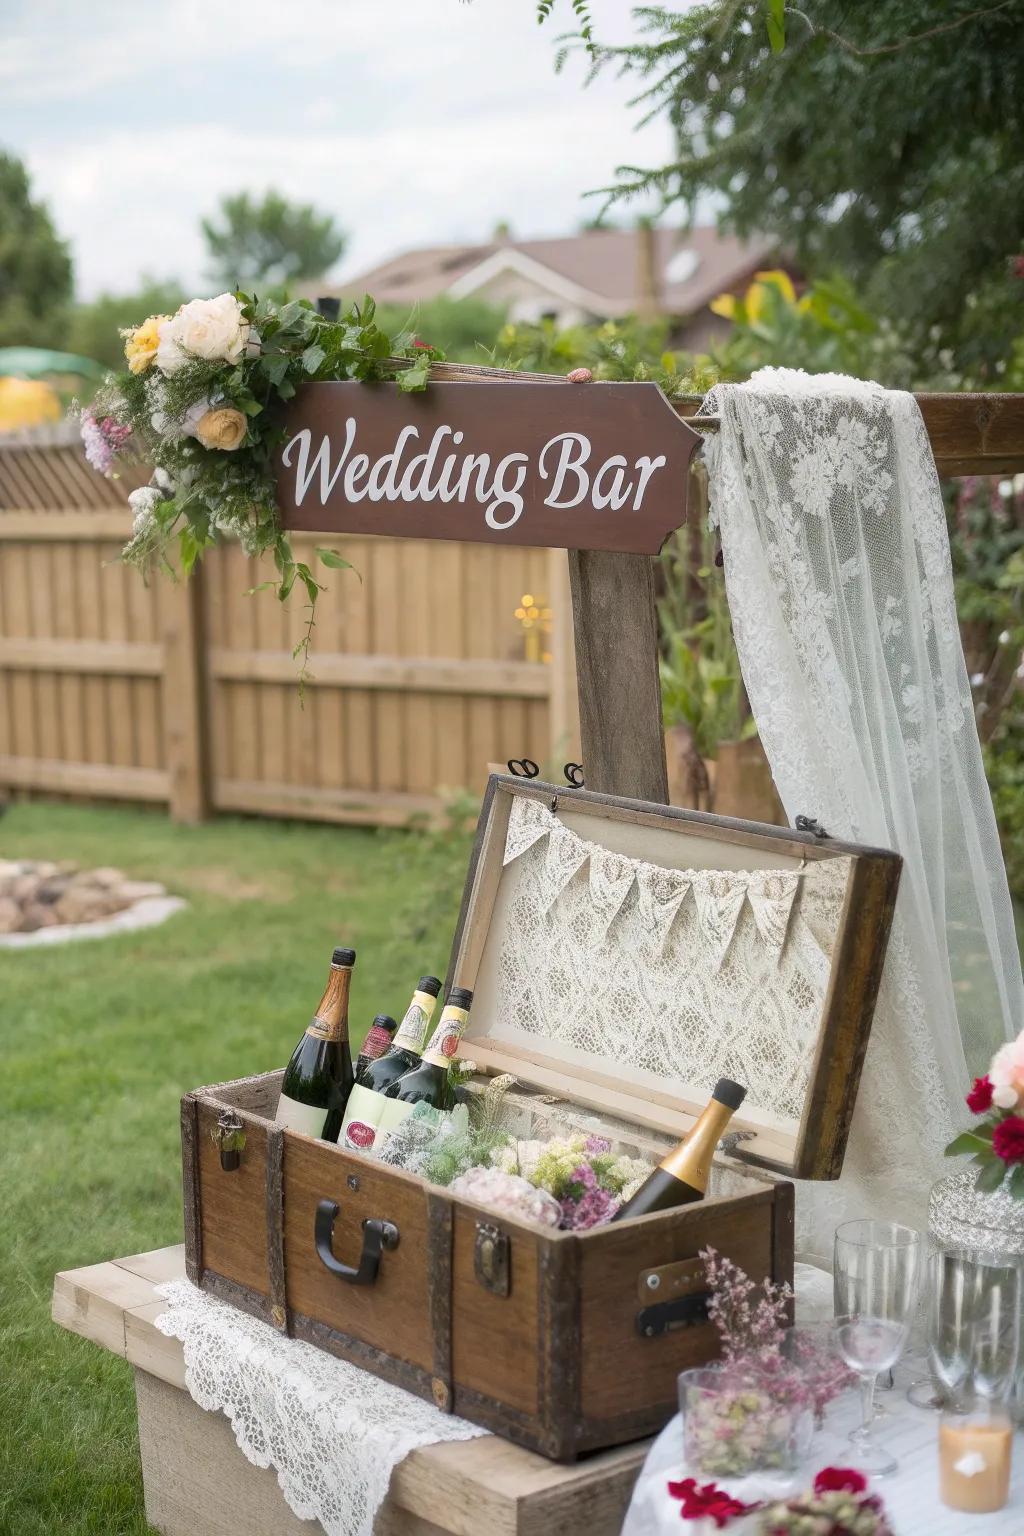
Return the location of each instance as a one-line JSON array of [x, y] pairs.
[[670, 977], [333, 1432]]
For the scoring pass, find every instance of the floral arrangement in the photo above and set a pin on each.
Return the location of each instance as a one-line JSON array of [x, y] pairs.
[[584, 1175], [201, 400], [996, 1141], [759, 1407], [838, 1504]]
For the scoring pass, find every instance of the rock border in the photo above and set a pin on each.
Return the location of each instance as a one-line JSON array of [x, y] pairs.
[[148, 912]]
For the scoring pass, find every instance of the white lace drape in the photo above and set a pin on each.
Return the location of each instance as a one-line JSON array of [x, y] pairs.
[[665, 977], [838, 574], [333, 1432]]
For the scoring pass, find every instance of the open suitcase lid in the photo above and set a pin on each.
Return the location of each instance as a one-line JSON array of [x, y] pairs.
[[627, 955]]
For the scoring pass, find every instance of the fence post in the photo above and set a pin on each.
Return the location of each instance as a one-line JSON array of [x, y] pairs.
[[184, 698]]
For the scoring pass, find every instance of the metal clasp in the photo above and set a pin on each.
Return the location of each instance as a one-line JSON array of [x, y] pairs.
[[229, 1136], [490, 1259], [682, 1298]]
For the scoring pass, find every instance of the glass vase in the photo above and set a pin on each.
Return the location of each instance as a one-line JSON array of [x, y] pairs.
[[734, 1424]]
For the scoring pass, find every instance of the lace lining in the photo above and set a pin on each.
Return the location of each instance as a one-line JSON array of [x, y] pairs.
[[669, 976]]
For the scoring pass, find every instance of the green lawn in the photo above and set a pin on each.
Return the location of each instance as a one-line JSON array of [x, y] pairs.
[[100, 1039]]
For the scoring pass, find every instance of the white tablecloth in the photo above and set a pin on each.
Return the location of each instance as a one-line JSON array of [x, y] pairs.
[[911, 1495]]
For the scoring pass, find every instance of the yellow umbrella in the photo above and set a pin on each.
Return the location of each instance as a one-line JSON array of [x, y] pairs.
[[27, 403]]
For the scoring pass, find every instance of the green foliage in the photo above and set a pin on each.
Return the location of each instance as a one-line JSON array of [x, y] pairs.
[[887, 149], [270, 242], [701, 685], [105, 1037], [617, 349], [35, 267], [465, 330], [94, 328]]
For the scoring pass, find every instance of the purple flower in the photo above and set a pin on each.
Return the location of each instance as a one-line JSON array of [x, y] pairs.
[[103, 439], [595, 1145], [591, 1207]]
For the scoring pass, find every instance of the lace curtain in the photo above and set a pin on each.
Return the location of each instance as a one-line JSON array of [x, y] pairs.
[[839, 581]]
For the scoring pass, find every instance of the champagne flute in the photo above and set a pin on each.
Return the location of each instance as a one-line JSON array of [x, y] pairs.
[[875, 1285], [947, 1325]]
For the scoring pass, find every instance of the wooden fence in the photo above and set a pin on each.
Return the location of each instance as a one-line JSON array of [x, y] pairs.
[[188, 695]]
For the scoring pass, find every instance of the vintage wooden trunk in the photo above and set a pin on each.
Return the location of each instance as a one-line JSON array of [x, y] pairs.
[[623, 956]]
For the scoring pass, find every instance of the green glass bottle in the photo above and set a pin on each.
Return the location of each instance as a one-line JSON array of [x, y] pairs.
[[428, 1083], [368, 1115], [318, 1079]]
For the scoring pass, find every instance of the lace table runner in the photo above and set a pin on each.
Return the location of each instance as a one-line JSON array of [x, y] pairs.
[[333, 1432]]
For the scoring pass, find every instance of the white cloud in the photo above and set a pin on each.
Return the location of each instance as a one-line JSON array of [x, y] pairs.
[[412, 121]]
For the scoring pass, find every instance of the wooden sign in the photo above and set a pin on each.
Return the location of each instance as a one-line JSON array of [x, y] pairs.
[[568, 466]]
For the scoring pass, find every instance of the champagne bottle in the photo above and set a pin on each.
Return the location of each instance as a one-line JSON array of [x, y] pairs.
[[682, 1175], [378, 1040], [367, 1110], [318, 1079], [428, 1083]]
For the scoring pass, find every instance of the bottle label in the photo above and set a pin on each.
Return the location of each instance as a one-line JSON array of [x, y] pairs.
[[444, 1045], [362, 1117], [323, 1029], [394, 1112], [412, 1031], [294, 1116]]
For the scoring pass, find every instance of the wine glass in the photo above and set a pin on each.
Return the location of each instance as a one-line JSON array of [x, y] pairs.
[[947, 1328], [996, 1302], [875, 1286]]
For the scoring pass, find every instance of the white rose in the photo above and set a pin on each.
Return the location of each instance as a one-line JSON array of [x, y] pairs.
[[144, 503], [212, 329]]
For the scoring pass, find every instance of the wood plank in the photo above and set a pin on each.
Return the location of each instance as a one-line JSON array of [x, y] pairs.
[[563, 709], [156, 1266], [617, 668], [116, 658], [384, 808], [71, 525], [184, 699], [92, 1301], [426, 674], [85, 778]]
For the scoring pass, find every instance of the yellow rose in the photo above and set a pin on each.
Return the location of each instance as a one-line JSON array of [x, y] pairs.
[[223, 428], [141, 344]]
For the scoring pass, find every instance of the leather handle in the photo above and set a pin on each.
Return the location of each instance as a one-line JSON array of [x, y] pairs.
[[378, 1235]]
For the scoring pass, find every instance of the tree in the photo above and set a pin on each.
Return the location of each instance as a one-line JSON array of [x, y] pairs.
[[94, 328], [882, 141], [272, 242], [35, 267]]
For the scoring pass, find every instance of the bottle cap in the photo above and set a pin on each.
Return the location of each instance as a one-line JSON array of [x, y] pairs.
[[428, 984], [459, 997], [384, 1021], [343, 957], [729, 1093]]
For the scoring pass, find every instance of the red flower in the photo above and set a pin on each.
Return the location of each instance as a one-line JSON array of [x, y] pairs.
[[708, 1500], [980, 1097], [1017, 266], [840, 1480], [1008, 1139], [425, 345]]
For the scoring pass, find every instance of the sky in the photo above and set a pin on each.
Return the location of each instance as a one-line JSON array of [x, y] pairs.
[[411, 121]]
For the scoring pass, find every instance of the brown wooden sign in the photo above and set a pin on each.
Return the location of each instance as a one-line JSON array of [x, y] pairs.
[[568, 466]]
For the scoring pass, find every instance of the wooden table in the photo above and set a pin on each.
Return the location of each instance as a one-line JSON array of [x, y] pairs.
[[198, 1483]]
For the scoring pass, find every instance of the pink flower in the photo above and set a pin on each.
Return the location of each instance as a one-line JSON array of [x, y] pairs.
[[1007, 1074], [980, 1097], [1017, 266], [700, 1501], [840, 1480], [103, 438], [1008, 1139]]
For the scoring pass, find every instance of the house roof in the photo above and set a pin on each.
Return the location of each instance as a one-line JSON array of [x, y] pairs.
[[602, 266]]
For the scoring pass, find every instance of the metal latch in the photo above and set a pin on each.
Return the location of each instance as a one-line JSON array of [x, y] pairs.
[[677, 1297], [490, 1259], [229, 1136]]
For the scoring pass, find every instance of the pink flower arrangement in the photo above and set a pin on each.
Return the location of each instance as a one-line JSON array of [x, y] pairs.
[[996, 1143], [103, 438]]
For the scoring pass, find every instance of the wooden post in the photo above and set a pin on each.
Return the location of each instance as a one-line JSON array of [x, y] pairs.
[[184, 692], [617, 673], [563, 703]]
